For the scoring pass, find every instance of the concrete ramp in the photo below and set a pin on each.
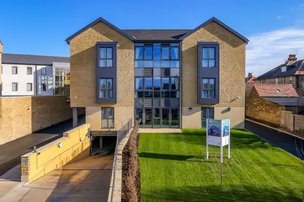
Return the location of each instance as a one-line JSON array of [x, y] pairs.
[[84, 180]]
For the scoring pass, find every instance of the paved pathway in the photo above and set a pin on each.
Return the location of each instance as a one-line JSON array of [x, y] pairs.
[[84, 180], [289, 143]]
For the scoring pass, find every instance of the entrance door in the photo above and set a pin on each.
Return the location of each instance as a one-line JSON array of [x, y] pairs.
[[174, 118], [165, 118]]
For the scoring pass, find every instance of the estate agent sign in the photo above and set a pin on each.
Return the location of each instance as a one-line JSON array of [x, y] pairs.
[[218, 134]]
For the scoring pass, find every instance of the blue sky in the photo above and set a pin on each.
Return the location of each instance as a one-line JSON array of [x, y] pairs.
[[274, 28]]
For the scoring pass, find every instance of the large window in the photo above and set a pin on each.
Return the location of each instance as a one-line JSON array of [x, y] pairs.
[[208, 57], [14, 70], [157, 55], [43, 71], [106, 88], [207, 113], [14, 86], [107, 117], [106, 57], [208, 88]]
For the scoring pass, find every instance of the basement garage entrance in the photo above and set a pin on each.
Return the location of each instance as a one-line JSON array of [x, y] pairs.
[[102, 144]]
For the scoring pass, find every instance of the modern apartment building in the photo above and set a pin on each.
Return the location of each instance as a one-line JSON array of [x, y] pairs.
[[33, 75], [167, 78]]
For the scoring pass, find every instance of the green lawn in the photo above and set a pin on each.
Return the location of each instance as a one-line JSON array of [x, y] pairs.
[[174, 168]]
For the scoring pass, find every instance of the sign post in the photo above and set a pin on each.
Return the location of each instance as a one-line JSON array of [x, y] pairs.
[[218, 134]]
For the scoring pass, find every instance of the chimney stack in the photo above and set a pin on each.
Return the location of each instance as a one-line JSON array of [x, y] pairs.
[[249, 75], [291, 58]]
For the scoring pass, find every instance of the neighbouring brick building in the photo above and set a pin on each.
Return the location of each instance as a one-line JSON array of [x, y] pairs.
[[160, 78], [266, 102], [291, 72]]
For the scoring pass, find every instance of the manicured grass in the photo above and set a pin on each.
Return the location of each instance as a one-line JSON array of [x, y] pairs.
[[173, 168]]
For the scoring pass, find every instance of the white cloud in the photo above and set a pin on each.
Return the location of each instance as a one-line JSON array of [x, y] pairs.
[[279, 17], [270, 49]]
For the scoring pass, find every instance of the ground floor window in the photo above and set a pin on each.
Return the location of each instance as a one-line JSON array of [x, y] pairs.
[[207, 113], [107, 117], [157, 117]]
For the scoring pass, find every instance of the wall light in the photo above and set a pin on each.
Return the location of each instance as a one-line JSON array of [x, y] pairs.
[[81, 139], [190, 109], [59, 145]]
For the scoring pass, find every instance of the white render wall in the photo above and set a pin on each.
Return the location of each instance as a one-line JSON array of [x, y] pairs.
[[22, 79]]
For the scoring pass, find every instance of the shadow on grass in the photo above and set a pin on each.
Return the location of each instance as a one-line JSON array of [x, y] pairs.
[[214, 193], [165, 156]]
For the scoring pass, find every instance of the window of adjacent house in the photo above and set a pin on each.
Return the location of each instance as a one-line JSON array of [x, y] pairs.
[[14, 86], [283, 69], [107, 117], [208, 57], [43, 71], [106, 57], [208, 88], [14, 70], [29, 70], [29, 86], [207, 113], [106, 88]]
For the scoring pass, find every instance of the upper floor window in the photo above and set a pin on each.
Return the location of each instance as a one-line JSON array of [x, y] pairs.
[[29, 70], [14, 86], [14, 70], [208, 88], [106, 88], [283, 69], [106, 57], [208, 57], [43, 71], [157, 55]]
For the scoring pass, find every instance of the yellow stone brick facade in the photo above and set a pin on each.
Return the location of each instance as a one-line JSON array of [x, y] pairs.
[[83, 75], [232, 74]]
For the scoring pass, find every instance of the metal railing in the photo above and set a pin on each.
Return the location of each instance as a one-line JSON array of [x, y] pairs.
[[121, 133]]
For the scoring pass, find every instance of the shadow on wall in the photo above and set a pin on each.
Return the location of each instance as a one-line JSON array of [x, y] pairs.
[[48, 111]]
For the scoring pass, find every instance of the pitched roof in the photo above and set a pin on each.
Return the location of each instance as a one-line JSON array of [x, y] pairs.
[[214, 19], [8, 58], [291, 70], [273, 90], [157, 34]]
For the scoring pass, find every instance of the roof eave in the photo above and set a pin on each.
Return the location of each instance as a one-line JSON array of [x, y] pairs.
[[214, 19], [100, 19]]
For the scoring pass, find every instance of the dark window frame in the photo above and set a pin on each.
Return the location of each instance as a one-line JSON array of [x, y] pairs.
[[43, 71], [27, 70], [106, 90], [208, 89], [14, 68], [206, 111], [27, 84], [208, 73], [14, 83], [107, 119], [106, 58], [106, 72]]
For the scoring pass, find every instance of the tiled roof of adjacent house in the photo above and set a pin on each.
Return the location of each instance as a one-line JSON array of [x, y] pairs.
[[157, 34], [273, 90], [291, 69], [32, 59]]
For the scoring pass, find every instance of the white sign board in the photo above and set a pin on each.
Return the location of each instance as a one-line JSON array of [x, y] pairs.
[[218, 134]]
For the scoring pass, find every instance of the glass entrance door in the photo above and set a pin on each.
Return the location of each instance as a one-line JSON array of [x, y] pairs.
[[156, 118]]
